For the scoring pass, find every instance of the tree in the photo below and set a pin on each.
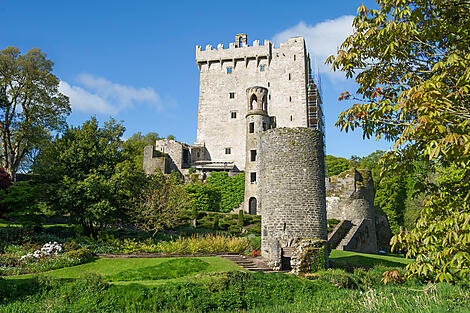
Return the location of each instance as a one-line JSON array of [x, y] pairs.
[[85, 175], [413, 63], [133, 148], [31, 105], [335, 165], [161, 203]]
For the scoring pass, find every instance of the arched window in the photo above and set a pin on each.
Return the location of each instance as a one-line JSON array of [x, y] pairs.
[[252, 206], [253, 101]]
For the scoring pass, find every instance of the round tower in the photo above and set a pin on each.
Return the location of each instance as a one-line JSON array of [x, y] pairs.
[[293, 191], [257, 121]]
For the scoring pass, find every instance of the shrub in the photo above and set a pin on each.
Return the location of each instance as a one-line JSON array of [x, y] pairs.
[[82, 254], [241, 220]]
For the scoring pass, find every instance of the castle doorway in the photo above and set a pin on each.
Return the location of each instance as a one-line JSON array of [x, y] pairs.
[[252, 206]]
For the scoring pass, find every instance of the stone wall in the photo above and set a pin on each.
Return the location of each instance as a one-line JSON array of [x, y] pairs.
[[153, 160], [350, 195], [292, 184], [175, 150]]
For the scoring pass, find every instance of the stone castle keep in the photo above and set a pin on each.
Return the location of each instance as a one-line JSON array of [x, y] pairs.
[[260, 112]]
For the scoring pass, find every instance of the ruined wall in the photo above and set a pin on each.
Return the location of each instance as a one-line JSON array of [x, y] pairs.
[[292, 184], [282, 70], [175, 150], [153, 160], [350, 195]]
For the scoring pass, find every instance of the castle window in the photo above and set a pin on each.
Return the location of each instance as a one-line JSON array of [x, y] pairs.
[[277, 54], [269, 85], [253, 178], [261, 68], [252, 128], [290, 99], [265, 126], [231, 95], [294, 57], [229, 70], [240, 41], [291, 118], [228, 150], [289, 76], [198, 154], [233, 114], [253, 155], [269, 97]]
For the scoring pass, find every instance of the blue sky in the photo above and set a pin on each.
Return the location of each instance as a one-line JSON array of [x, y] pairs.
[[134, 60]]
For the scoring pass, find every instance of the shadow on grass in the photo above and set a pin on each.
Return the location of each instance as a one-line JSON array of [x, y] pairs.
[[14, 289], [362, 261]]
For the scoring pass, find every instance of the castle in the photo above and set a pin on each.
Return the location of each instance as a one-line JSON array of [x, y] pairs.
[[260, 112]]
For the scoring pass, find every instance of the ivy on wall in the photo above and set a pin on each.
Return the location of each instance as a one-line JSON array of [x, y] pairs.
[[221, 193]]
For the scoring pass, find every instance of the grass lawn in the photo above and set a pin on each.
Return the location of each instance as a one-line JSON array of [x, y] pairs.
[[116, 268], [366, 260]]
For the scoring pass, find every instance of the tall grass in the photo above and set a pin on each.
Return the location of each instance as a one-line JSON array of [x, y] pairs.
[[206, 243]]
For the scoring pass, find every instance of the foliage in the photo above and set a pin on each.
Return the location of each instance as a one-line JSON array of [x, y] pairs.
[[175, 268], [32, 259], [413, 58], [20, 201], [30, 104], [161, 203], [390, 197], [204, 244], [226, 292], [232, 189], [440, 242], [204, 197], [335, 165], [82, 254], [85, 175], [241, 220], [133, 147]]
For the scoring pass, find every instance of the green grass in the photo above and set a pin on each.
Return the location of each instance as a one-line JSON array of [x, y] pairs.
[[175, 268], [366, 260], [112, 268]]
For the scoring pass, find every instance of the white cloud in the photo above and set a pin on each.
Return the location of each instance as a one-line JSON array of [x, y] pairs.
[[323, 39], [99, 95]]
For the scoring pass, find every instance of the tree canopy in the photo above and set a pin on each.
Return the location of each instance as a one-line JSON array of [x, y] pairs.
[[411, 61], [31, 105], [86, 175]]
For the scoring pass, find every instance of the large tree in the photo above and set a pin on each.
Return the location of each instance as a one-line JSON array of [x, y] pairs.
[[86, 175], [30, 104], [411, 60]]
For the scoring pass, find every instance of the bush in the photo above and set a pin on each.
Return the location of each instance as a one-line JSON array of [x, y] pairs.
[[82, 254]]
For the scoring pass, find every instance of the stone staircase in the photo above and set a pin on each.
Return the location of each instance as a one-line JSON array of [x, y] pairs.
[[249, 263]]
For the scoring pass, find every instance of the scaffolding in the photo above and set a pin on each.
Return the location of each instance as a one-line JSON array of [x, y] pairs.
[[314, 104]]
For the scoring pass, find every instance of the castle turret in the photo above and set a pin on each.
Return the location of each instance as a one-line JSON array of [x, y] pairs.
[[257, 121]]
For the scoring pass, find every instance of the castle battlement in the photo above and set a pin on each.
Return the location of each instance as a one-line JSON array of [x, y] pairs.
[[210, 54]]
